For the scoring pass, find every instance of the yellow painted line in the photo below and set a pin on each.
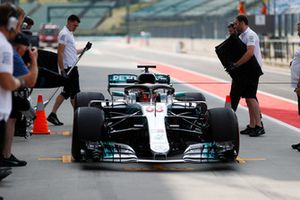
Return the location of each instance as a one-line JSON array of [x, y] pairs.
[[156, 167], [49, 158], [243, 160], [63, 133], [66, 133], [240, 160], [64, 158]]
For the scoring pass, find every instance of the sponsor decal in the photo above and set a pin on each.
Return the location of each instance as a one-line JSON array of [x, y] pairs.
[[151, 109], [6, 59]]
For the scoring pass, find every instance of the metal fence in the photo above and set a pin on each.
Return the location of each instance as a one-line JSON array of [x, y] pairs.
[[276, 50], [182, 27], [213, 27]]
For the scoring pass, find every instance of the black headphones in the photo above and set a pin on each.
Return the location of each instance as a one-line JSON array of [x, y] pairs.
[[12, 20]]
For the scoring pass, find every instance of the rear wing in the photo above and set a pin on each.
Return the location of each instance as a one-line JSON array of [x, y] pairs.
[[124, 80], [121, 80]]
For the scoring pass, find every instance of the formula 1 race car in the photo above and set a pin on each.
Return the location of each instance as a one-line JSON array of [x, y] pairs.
[[148, 122]]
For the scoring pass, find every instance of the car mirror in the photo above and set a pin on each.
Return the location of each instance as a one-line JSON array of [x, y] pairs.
[[118, 94], [179, 94]]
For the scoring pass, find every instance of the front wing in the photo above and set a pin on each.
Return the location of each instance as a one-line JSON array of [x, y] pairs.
[[195, 153]]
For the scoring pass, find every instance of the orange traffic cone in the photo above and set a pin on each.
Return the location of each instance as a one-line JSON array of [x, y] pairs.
[[40, 125], [227, 102]]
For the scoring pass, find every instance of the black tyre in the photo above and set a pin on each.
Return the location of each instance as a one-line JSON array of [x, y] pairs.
[[192, 96], [87, 126], [224, 126], [82, 99]]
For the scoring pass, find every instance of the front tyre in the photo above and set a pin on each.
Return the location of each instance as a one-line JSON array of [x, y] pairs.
[[223, 126], [87, 126]]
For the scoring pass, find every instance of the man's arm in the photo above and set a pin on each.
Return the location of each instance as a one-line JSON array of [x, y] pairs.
[[8, 82], [60, 51], [246, 57], [31, 77]]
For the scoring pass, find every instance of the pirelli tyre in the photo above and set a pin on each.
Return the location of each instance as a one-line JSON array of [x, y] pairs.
[[82, 99], [223, 126], [191, 96], [87, 126]]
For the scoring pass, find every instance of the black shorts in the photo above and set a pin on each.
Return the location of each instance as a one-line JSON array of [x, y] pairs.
[[2, 133], [246, 88], [72, 88], [15, 114], [2, 127]]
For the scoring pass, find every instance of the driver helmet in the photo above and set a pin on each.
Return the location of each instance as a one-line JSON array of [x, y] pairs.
[[144, 96]]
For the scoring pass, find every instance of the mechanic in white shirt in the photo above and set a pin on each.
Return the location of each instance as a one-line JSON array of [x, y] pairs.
[[67, 57], [295, 79], [295, 69], [250, 38], [8, 24], [8, 83]]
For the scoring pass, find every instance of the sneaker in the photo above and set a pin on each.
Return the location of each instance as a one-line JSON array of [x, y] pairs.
[[54, 120], [4, 172], [12, 161], [247, 130], [257, 131], [296, 146]]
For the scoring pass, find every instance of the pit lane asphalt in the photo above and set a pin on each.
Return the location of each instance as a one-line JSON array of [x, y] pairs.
[[268, 168]]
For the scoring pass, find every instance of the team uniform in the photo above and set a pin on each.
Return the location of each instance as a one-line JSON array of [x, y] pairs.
[[6, 66], [66, 38], [247, 87], [295, 69], [19, 69]]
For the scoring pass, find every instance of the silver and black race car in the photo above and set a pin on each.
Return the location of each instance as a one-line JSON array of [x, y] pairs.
[[149, 122]]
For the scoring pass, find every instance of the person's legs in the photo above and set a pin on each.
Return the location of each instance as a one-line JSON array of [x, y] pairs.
[[297, 146], [72, 102], [75, 88], [7, 158], [52, 116], [8, 138], [252, 122], [254, 128], [298, 97], [254, 112], [254, 109], [59, 100], [2, 133]]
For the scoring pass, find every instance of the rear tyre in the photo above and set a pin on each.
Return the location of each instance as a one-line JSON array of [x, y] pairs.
[[87, 126], [224, 126], [82, 99]]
